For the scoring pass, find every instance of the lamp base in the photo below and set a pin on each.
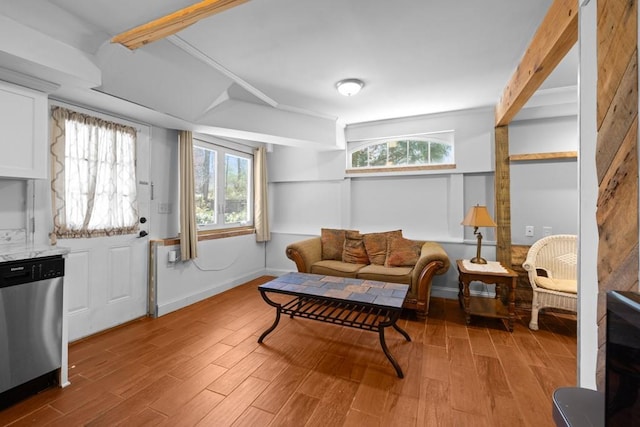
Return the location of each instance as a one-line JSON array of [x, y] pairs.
[[478, 260]]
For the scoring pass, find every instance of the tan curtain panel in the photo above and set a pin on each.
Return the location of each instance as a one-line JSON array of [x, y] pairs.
[[188, 229], [261, 220], [93, 176]]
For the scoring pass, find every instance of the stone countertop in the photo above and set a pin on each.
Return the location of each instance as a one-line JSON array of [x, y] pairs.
[[21, 251]]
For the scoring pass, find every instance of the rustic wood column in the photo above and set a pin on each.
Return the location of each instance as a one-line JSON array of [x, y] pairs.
[[616, 157], [503, 196]]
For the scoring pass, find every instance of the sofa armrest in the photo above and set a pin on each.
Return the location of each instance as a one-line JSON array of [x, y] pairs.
[[432, 251], [433, 260], [305, 253]]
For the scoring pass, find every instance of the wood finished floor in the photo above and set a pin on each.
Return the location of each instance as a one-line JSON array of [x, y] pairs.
[[202, 365]]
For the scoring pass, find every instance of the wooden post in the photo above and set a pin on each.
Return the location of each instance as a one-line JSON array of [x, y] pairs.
[[503, 196]]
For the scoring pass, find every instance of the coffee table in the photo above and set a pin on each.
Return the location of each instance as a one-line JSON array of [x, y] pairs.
[[360, 304]]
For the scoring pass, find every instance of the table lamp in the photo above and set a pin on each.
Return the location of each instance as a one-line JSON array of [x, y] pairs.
[[478, 216]]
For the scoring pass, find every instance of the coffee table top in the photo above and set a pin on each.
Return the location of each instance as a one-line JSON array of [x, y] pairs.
[[372, 292]]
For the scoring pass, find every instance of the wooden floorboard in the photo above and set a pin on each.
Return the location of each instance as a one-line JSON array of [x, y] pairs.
[[202, 365]]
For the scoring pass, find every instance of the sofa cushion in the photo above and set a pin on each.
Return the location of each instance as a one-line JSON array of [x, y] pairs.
[[354, 251], [336, 268], [402, 252], [332, 243], [385, 274], [376, 245]]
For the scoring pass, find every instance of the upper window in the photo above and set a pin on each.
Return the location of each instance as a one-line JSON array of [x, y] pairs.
[[412, 152], [223, 190]]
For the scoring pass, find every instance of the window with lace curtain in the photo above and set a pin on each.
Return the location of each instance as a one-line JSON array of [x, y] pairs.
[[93, 176]]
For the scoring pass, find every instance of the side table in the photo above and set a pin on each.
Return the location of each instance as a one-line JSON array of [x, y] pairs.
[[483, 306]]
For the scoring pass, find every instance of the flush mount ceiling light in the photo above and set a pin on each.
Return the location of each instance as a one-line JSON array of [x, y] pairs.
[[349, 87]]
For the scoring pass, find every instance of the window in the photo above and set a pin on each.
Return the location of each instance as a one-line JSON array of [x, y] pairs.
[[223, 186], [93, 177], [414, 152]]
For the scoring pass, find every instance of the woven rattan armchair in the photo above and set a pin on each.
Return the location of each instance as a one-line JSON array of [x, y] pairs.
[[552, 266]]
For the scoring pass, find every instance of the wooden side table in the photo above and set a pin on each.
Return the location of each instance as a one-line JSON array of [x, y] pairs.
[[483, 306]]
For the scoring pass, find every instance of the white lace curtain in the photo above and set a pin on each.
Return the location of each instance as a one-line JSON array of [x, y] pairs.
[[93, 176]]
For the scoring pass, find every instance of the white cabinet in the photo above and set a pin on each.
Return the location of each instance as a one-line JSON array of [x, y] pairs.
[[23, 132]]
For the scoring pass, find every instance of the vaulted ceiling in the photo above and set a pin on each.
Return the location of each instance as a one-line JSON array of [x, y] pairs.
[[267, 64]]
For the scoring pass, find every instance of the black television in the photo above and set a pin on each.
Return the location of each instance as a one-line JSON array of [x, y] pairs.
[[622, 364]]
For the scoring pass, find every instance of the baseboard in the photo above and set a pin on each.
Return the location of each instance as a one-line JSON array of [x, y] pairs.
[[169, 307]]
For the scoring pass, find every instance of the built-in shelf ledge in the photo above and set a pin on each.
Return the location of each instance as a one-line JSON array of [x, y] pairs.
[[543, 156]]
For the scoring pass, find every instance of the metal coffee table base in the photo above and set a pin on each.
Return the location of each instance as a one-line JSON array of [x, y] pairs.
[[354, 315]]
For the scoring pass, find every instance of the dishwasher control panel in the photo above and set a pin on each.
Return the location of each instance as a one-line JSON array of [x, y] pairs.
[[30, 270]]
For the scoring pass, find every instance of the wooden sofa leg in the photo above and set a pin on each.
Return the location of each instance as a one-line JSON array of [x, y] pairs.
[[421, 311]]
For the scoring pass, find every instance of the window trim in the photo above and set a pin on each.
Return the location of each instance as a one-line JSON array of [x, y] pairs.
[[222, 150], [444, 137]]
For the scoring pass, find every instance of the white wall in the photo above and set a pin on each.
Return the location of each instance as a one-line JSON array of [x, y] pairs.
[[544, 193], [165, 180], [310, 190], [588, 229], [221, 265]]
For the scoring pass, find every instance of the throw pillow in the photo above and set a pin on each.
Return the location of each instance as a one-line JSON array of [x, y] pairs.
[[402, 252], [354, 251], [376, 245], [332, 243]]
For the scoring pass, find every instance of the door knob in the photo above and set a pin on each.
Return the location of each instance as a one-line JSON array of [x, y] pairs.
[[143, 220], [142, 233]]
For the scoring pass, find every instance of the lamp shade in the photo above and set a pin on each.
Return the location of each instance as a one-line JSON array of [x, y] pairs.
[[478, 216]]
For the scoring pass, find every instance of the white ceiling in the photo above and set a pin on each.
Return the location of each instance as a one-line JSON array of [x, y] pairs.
[[415, 56]]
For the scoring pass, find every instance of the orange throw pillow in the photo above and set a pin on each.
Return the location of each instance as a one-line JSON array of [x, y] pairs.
[[376, 245], [402, 252]]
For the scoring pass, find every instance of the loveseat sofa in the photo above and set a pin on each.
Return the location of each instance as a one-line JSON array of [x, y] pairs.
[[387, 257]]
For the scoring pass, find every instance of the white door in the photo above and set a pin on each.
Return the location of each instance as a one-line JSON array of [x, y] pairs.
[[106, 277]]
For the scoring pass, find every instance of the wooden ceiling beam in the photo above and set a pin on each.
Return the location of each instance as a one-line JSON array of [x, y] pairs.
[[172, 23], [554, 38]]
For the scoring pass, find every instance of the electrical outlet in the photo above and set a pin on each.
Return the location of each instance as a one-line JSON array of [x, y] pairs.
[[528, 231], [546, 231]]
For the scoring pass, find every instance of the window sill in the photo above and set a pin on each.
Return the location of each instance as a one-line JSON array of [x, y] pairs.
[[211, 235], [400, 169]]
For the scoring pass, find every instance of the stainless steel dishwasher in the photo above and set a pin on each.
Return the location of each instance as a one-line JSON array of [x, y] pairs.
[[31, 294]]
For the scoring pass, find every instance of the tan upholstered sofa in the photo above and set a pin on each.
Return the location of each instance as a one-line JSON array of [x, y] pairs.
[[387, 257]]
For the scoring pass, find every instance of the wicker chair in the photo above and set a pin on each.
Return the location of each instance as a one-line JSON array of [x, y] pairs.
[[552, 266]]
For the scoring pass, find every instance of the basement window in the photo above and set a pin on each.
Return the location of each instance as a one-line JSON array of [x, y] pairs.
[[405, 153], [223, 186]]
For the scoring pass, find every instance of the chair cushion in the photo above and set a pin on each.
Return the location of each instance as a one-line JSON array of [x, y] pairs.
[[376, 245], [354, 251], [336, 268], [561, 285]]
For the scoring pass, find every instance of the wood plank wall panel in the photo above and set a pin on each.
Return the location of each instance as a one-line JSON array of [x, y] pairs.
[[617, 22], [616, 156], [524, 293], [503, 195]]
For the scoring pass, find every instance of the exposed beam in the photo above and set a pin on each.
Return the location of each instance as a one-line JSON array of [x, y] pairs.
[[556, 35], [172, 23]]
